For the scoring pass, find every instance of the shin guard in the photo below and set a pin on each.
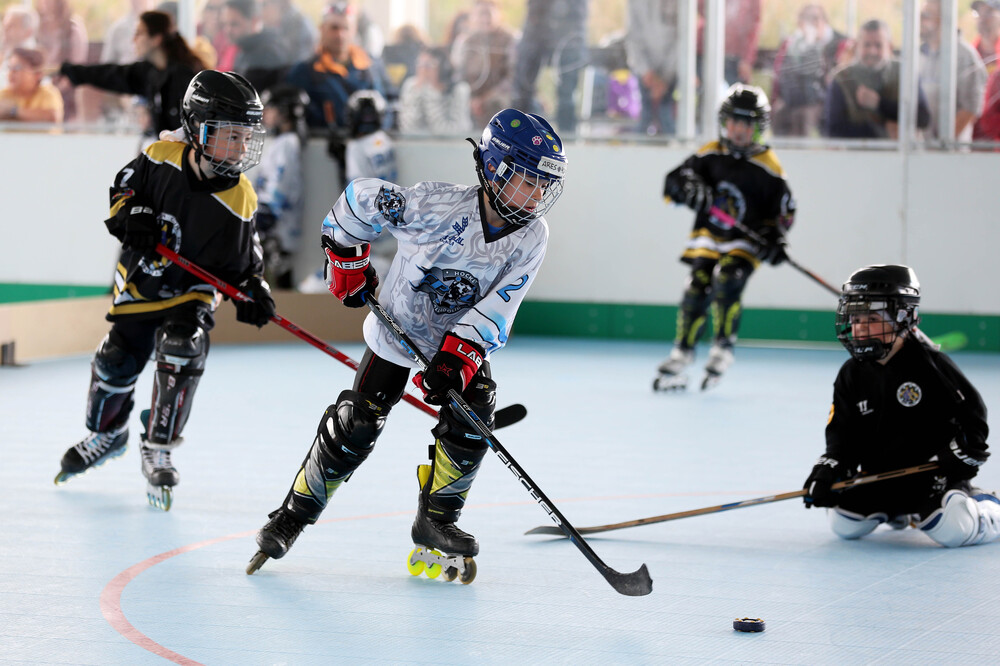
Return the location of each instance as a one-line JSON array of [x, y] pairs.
[[181, 350], [964, 520], [345, 438], [113, 373]]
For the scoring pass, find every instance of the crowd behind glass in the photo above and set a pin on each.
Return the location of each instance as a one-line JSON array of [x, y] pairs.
[[825, 80]]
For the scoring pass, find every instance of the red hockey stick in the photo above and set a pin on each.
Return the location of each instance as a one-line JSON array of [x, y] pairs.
[[504, 417]]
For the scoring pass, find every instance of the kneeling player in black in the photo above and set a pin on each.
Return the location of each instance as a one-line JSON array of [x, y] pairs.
[[191, 196], [898, 402], [743, 178]]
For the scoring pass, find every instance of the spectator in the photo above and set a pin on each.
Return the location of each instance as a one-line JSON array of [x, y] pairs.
[[297, 33], [802, 70], [458, 26], [278, 181], [165, 67], [651, 49], [987, 42], [863, 98], [337, 70], [20, 26], [484, 58], [201, 45], [742, 35], [211, 29], [555, 32], [401, 55], [26, 98], [62, 37], [432, 101], [970, 75], [260, 57], [987, 127], [118, 48]]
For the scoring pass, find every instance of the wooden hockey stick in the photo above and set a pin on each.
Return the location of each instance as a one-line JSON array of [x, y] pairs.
[[503, 417], [635, 584], [850, 483]]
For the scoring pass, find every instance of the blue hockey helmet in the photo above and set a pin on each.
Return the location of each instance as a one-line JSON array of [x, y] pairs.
[[520, 144]]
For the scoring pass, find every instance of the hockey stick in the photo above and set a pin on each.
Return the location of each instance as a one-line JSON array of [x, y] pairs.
[[637, 583], [948, 342], [548, 529], [731, 221], [504, 417]]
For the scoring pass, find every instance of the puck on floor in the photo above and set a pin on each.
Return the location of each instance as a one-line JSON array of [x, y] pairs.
[[752, 624]]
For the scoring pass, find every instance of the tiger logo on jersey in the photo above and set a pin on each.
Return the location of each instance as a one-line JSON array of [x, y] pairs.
[[909, 394], [450, 290]]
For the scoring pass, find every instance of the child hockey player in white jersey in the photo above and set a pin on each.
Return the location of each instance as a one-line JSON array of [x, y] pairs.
[[467, 256]]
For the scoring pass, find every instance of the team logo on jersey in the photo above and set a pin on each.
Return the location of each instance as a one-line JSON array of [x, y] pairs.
[[729, 200], [170, 229], [909, 394], [450, 290], [391, 204]]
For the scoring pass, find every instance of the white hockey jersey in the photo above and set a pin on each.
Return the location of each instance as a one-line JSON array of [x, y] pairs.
[[278, 183], [452, 272]]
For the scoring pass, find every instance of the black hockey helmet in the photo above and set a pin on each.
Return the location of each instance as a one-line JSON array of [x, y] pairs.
[[289, 100], [746, 103], [886, 296], [365, 109], [216, 106]]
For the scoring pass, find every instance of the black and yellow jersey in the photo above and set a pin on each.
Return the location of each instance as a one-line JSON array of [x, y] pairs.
[[210, 222], [750, 188]]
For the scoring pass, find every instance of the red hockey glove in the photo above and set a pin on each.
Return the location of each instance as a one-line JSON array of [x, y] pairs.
[[353, 275], [453, 367]]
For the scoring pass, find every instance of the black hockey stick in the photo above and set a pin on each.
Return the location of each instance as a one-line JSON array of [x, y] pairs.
[[637, 583], [731, 221], [548, 529], [504, 417]]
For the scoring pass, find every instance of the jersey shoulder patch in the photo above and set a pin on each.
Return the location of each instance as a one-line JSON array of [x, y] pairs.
[[166, 152], [240, 200], [769, 160]]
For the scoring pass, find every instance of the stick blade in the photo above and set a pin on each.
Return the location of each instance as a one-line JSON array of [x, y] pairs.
[[551, 530], [635, 584], [509, 415]]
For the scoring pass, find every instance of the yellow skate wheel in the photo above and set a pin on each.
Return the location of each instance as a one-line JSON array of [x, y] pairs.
[[413, 565], [470, 571], [433, 571]]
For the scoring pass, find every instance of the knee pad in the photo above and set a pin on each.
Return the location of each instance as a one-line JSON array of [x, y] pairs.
[[963, 520], [481, 395], [849, 525], [181, 349], [113, 373], [344, 439]]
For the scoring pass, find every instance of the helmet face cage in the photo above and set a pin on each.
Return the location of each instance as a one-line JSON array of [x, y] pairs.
[[521, 165], [231, 148]]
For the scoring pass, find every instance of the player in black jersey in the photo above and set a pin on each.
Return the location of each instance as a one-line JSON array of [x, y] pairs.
[[189, 193], [899, 402], [741, 177]]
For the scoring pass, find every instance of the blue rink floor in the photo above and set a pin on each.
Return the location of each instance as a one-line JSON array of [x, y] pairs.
[[90, 574]]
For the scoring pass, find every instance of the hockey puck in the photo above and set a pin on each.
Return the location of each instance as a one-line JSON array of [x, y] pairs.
[[751, 624]]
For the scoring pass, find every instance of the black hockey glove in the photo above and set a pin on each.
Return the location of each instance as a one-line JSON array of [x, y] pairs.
[[959, 461], [136, 227], [689, 189], [259, 311], [818, 486], [453, 367], [774, 251]]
